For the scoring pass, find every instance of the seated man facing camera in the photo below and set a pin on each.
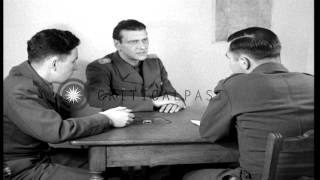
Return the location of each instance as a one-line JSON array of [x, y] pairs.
[[261, 97], [130, 77], [34, 115]]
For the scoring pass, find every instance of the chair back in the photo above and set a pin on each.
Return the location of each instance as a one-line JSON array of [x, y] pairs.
[[289, 158]]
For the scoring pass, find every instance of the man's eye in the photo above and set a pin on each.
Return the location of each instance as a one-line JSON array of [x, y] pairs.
[[145, 41], [133, 42]]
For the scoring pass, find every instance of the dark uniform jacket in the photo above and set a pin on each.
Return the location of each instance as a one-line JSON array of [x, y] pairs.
[[269, 99], [33, 116], [112, 82]]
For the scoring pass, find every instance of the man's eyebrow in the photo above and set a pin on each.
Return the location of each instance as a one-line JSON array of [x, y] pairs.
[[133, 40]]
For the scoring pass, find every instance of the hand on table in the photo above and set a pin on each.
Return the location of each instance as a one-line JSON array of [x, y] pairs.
[[169, 104], [119, 116]]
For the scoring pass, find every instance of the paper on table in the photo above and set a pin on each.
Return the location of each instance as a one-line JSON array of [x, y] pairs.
[[196, 122]]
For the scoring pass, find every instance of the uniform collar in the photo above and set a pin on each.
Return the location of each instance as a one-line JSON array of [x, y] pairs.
[[269, 68], [127, 72]]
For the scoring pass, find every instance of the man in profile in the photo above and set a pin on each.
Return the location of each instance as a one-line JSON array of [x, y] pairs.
[[262, 96], [130, 76], [34, 115]]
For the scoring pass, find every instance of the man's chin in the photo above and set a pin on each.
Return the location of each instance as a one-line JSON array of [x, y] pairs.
[[142, 58]]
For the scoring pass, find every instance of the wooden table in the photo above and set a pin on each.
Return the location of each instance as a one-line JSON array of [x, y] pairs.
[[169, 139]]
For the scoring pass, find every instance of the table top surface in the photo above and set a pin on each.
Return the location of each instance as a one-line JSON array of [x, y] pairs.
[[165, 128]]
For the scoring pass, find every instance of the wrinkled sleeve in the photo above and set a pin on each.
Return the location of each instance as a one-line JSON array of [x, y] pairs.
[[36, 118], [216, 121], [167, 87], [99, 93]]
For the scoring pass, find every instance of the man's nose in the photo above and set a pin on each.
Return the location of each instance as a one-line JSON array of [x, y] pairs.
[[142, 45]]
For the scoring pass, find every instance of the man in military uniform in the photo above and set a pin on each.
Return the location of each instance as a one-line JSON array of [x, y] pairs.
[[130, 77], [34, 115], [261, 97]]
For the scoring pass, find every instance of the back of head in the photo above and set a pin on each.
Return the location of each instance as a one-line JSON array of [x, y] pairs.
[[51, 42], [129, 24], [256, 42]]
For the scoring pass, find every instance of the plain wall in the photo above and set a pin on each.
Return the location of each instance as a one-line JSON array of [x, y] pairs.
[[180, 33]]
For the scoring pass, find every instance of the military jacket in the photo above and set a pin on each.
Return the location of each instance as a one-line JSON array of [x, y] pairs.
[[269, 99], [33, 116], [112, 82]]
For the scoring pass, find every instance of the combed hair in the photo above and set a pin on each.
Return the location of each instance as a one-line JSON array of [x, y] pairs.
[[129, 24], [256, 42], [51, 42]]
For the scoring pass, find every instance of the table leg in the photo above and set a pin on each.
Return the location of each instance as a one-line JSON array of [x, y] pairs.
[[97, 162]]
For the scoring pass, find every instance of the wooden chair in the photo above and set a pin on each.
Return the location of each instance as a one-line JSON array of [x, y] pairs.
[[289, 158]]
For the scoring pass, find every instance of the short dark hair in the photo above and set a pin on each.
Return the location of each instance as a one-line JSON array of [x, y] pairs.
[[129, 24], [257, 42], [51, 42]]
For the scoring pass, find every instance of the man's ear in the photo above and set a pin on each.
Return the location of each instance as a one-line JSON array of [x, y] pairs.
[[116, 44], [245, 62], [53, 62]]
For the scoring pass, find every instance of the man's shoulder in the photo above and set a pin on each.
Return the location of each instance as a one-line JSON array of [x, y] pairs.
[[104, 60], [234, 78], [101, 61], [153, 56], [100, 64], [153, 59], [13, 84]]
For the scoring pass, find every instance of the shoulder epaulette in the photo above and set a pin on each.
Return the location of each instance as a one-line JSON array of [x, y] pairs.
[[152, 56], [104, 60]]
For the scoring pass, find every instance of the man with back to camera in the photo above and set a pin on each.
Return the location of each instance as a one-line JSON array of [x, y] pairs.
[[35, 116], [261, 97], [130, 77]]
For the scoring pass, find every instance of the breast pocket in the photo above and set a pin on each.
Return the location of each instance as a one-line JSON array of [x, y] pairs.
[[124, 89], [154, 89]]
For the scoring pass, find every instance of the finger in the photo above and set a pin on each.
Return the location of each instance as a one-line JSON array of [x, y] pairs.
[[128, 110], [162, 108], [173, 109], [182, 104], [119, 108], [131, 115], [169, 106], [130, 120], [127, 123], [177, 109]]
